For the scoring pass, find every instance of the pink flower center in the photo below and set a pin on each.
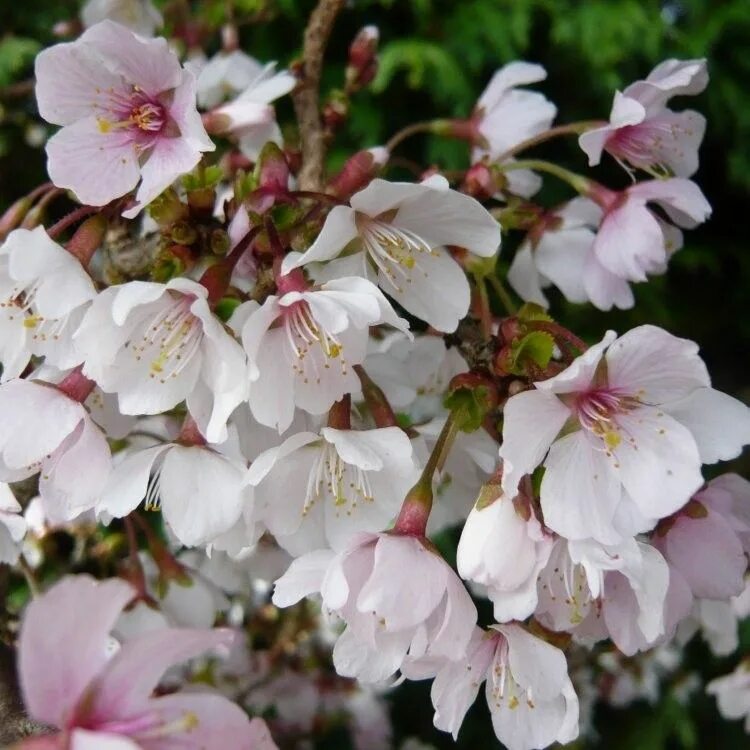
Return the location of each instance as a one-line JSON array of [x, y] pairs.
[[503, 686], [141, 116], [641, 145], [597, 411], [151, 726]]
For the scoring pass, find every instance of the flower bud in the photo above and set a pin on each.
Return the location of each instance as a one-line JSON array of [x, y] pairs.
[[358, 171], [363, 61], [88, 238]]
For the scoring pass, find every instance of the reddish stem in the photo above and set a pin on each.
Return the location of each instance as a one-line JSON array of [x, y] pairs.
[[73, 217]]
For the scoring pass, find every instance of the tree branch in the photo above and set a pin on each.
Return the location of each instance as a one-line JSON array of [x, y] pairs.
[[306, 96]]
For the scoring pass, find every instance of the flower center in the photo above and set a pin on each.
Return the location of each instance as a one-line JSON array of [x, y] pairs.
[[333, 479], [567, 584], [503, 685], [151, 726], [170, 340], [394, 250], [597, 412], [20, 302], [642, 145], [137, 112], [306, 336]]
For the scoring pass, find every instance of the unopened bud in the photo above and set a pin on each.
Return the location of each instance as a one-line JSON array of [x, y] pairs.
[[167, 208], [183, 233], [230, 40], [87, 238], [220, 242], [363, 60], [272, 171], [358, 171], [479, 182], [336, 110]]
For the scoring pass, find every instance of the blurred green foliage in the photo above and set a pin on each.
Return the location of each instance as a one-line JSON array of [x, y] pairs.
[[436, 57]]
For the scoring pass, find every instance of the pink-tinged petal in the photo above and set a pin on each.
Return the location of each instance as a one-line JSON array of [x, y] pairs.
[[147, 63], [592, 143], [257, 321], [125, 686], [630, 241], [139, 15], [525, 278], [128, 482], [670, 78], [303, 577], [561, 256], [355, 657], [656, 366], [72, 84], [457, 684], [338, 231], [708, 554], [681, 199], [679, 152], [22, 443], [658, 459], [261, 736], [580, 373], [131, 295], [168, 159], [97, 166], [184, 114], [423, 587], [74, 475], [459, 621], [580, 490], [625, 111], [532, 421], [80, 613], [719, 423], [603, 288]]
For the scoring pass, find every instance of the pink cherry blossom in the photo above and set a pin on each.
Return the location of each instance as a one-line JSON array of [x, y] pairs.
[[98, 700], [530, 696], [396, 596], [504, 551], [622, 434], [400, 231], [45, 431], [633, 242], [643, 132], [302, 345], [155, 345], [128, 113]]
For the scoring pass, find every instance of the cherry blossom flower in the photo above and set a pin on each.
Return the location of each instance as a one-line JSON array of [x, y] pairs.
[[504, 549], [138, 15], [303, 344], [559, 251], [155, 345], [128, 113], [249, 116], [44, 292], [395, 594], [505, 116], [530, 696], [96, 699], [12, 526], [199, 488], [45, 430], [401, 230], [596, 591], [733, 694], [701, 542], [632, 241], [643, 133], [336, 483], [622, 434]]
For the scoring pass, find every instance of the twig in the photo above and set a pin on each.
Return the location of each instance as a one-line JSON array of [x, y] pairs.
[[306, 96]]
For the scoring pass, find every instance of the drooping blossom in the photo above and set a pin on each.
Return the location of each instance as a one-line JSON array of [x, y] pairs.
[[12, 526], [155, 345], [199, 488], [249, 116], [336, 483], [97, 699], [643, 133], [597, 591], [506, 115], [128, 113], [621, 433], [733, 694], [633, 242], [302, 345], [44, 292], [504, 548], [44, 430], [559, 251], [703, 542], [398, 233], [139, 16], [395, 594], [531, 699]]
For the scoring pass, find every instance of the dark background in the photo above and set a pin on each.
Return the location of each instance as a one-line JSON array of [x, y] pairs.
[[436, 57]]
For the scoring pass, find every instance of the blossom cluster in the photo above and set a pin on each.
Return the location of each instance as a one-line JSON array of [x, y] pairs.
[[273, 389]]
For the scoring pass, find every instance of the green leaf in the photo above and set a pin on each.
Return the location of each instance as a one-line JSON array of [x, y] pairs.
[[16, 53], [536, 346]]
